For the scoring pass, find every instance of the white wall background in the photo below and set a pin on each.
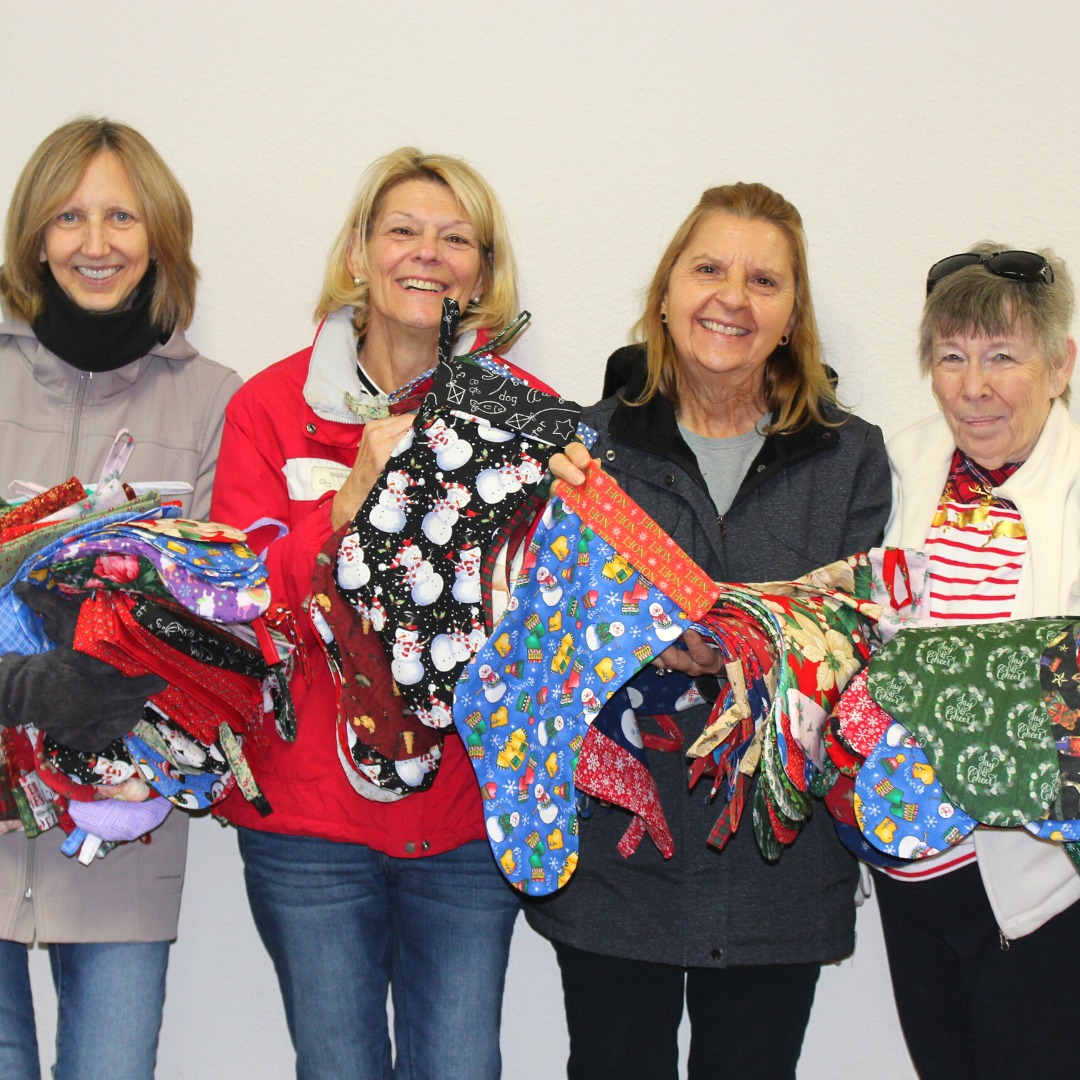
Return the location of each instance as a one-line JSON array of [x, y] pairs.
[[902, 132]]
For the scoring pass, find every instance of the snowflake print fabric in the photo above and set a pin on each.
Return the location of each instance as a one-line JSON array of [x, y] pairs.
[[612, 765], [900, 805]]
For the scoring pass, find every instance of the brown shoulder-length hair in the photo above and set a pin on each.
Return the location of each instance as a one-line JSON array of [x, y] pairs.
[[796, 382], [498, 302], [52, 174]]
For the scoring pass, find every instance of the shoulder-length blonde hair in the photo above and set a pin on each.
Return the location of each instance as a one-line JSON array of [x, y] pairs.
[[796, 382], [52, 174], [498, 303]]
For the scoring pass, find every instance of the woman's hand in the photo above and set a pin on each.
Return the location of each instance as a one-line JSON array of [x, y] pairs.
[[379, 438], [569, 466], [697, 658], [133, 789]]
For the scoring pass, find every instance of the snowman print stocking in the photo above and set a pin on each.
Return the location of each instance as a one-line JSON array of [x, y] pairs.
[[367, 694], [582, 620], [411, 561]]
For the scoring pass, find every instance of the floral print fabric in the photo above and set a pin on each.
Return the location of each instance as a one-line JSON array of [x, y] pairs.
[[789, 648]]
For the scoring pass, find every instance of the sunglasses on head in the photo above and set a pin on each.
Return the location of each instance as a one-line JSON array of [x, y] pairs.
[[1023, 266]]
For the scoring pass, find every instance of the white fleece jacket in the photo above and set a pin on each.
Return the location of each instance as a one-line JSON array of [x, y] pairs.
[[1028, 881]]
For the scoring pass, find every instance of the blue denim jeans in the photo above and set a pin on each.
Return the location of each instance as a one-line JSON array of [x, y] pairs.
[[110, 996], [343, 923]]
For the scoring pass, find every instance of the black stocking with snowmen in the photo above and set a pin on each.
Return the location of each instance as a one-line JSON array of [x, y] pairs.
[[411, 561]]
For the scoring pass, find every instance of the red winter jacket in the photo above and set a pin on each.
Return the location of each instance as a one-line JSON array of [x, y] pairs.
[[280, 459]]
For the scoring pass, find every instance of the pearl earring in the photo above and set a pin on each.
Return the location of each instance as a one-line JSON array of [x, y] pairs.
[[358, 281]]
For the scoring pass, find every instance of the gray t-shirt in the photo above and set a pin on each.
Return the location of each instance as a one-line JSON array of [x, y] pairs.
[[724, 462]]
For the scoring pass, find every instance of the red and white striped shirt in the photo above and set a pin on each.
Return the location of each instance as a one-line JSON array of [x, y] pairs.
[[976, 546]]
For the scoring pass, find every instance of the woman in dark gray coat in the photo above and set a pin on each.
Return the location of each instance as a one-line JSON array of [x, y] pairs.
[[726, 430]]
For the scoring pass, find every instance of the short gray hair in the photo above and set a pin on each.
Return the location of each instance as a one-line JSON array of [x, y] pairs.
[[976, 300]]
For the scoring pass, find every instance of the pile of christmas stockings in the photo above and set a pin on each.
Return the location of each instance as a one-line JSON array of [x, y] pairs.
[[180, 599]]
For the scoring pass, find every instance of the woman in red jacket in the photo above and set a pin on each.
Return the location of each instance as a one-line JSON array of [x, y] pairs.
[[352, 894]]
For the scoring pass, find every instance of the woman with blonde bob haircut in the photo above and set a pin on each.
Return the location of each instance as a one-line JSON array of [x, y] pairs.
[[49, 178], [353, 894], [722, 424], [98, 286], [341, 289]]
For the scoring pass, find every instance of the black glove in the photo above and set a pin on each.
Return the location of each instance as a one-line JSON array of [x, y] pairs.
[[59, 613], [78, 700]]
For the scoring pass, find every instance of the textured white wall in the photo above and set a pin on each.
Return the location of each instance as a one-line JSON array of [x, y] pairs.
[[903, 133]]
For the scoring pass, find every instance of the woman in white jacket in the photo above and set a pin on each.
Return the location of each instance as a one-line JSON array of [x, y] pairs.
[[990, 488]]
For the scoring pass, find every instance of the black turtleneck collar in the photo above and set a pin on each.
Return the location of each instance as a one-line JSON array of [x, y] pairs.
[[97, 341]]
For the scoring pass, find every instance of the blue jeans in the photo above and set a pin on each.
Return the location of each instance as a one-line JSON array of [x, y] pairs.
[[110, 996], [343, 923]]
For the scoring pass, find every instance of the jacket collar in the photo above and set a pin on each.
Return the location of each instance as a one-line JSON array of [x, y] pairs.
[[653, 427], [1054, 455], [52, 373], [332, 374]]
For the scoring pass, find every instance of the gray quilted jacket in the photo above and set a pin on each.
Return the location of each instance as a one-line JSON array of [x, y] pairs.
[[56, 422]]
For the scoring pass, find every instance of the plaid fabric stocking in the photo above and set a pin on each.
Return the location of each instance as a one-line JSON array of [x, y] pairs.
[[582, 620]]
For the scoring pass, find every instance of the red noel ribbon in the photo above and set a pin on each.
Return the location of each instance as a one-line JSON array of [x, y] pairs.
[[609, 511]]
